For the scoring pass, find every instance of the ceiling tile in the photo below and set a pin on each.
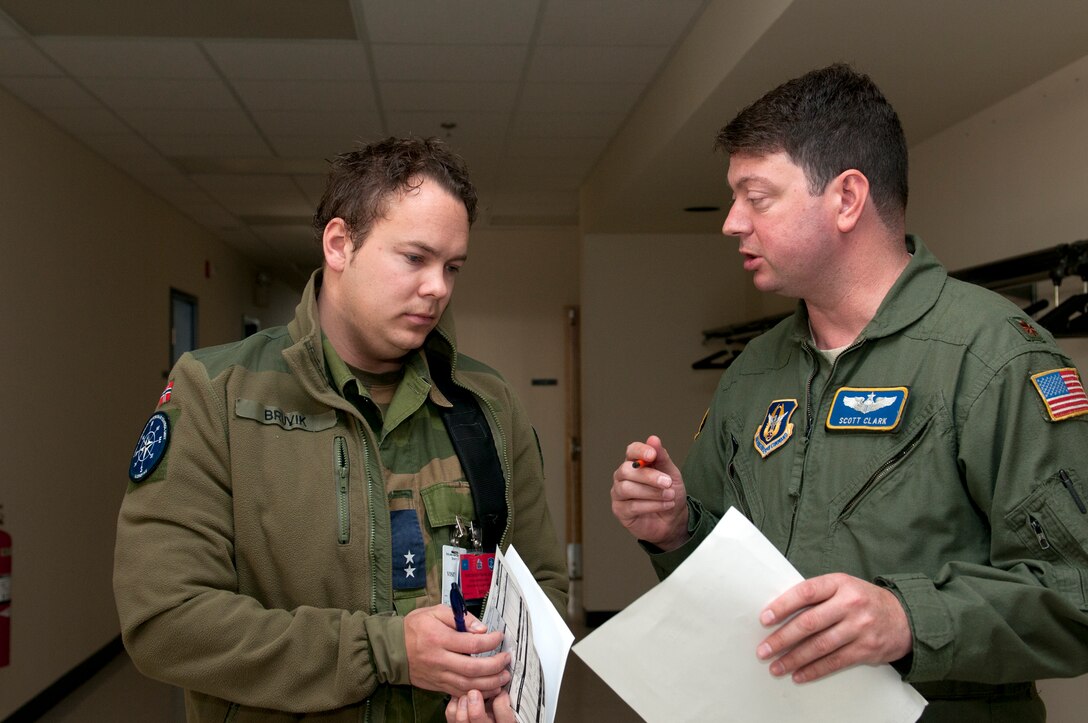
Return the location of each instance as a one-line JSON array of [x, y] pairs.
[[429, 123], [117, 145], [465, 22], [255, 194], [45, 93], [19, 57], [481, 63], [201, 144], [450, 96], [319, 146], [296, 60], [567, 125], [182, 122], [117, 57], [577, 97], [589, 148], [86, 121], [158, 93], [344, 95], [616, 22], [211, 215], [192, 18], [317, 122], [553, 63], [8, 29]]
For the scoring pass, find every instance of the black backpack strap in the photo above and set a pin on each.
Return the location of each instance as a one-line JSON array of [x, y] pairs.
[[471, 437]]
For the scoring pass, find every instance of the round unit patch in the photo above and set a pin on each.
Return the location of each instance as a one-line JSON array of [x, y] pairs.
[[151, 447]]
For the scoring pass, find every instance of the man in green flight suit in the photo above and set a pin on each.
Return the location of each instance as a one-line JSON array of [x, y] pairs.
[[280, 547], [913, 444]]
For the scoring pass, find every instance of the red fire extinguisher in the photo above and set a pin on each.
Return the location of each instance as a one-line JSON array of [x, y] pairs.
[[5, 594]]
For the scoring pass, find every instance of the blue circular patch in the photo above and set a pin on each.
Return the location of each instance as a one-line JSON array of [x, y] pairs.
[[151, 447]]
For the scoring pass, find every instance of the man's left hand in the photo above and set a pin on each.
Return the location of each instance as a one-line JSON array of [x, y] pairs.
[[839, 621]]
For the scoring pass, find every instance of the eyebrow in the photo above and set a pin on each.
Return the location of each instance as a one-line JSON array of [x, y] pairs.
[[745, 180], [430, 250]]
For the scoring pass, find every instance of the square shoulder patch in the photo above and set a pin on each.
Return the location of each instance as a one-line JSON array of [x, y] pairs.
[[1062, 392]]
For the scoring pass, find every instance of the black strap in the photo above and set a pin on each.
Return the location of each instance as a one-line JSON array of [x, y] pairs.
[[472, 440]]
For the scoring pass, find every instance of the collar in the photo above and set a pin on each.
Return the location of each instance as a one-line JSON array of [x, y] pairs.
[[911, 296]]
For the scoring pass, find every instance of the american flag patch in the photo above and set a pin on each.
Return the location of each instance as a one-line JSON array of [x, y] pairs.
[[1062, 393]]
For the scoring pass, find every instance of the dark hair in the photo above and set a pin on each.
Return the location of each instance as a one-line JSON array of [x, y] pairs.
[[360, 183], [827, 121]]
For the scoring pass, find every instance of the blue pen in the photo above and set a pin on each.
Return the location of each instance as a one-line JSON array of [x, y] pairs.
[[458, 604]]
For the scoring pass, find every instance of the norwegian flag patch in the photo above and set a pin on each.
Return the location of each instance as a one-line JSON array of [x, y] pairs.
[[1062, 393], [165, 396]]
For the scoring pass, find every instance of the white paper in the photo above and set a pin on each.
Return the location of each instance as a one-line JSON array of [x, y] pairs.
[[686, 650], [533, 632]]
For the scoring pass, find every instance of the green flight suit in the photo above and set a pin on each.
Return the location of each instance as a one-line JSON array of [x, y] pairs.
[[966, 501]]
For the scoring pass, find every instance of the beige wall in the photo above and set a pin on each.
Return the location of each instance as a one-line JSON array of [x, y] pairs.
[[87, 259], [509, 305], [646, 300]]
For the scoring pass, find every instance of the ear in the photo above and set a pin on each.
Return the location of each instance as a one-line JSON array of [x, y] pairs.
[[851, 189], [336, 244]]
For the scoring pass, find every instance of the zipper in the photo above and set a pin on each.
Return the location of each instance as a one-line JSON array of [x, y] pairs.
[[882, 472], [373, 515], [341, 479], [1040, 533], [1072, 491], [735, 482], [810, 419]]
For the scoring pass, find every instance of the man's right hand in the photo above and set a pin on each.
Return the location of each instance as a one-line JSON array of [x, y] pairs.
[[440, 658], [650, 500]]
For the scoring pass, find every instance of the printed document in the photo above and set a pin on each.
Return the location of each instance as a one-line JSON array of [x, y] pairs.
[[686, 650], [534, 634]]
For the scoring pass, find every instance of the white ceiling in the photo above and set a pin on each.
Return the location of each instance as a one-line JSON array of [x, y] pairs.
[[233, 122], [229, 110]]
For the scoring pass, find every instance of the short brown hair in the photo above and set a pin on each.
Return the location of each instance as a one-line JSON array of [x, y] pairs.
[[360, 183], [828, 121]]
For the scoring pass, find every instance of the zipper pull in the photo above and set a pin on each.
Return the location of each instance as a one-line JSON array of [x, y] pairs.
[[1040, 535], [1072, 490]]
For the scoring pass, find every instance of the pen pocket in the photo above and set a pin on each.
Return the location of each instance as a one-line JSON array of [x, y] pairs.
[[1049, 526]]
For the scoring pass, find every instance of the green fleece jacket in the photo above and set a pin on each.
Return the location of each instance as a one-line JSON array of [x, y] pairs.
[[933, 457], [253, 560]]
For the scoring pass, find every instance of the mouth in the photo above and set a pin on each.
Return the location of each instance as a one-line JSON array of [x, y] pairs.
[[421, 319], [751, 261]]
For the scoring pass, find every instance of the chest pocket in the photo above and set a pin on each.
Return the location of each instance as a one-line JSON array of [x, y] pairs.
[[899, 459], [445, 502]]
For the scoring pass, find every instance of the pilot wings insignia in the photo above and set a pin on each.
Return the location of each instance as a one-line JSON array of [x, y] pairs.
[[869, 403], [872, 409]]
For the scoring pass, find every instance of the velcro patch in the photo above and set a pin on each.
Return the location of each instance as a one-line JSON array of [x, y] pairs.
[[409, 553], [1062, 393], [150, 448], [250, 409], [873, 409], [1026, 328], [776, 428]]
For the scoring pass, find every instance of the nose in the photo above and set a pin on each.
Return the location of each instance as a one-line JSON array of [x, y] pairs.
[[436, 284], [736, 222]]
